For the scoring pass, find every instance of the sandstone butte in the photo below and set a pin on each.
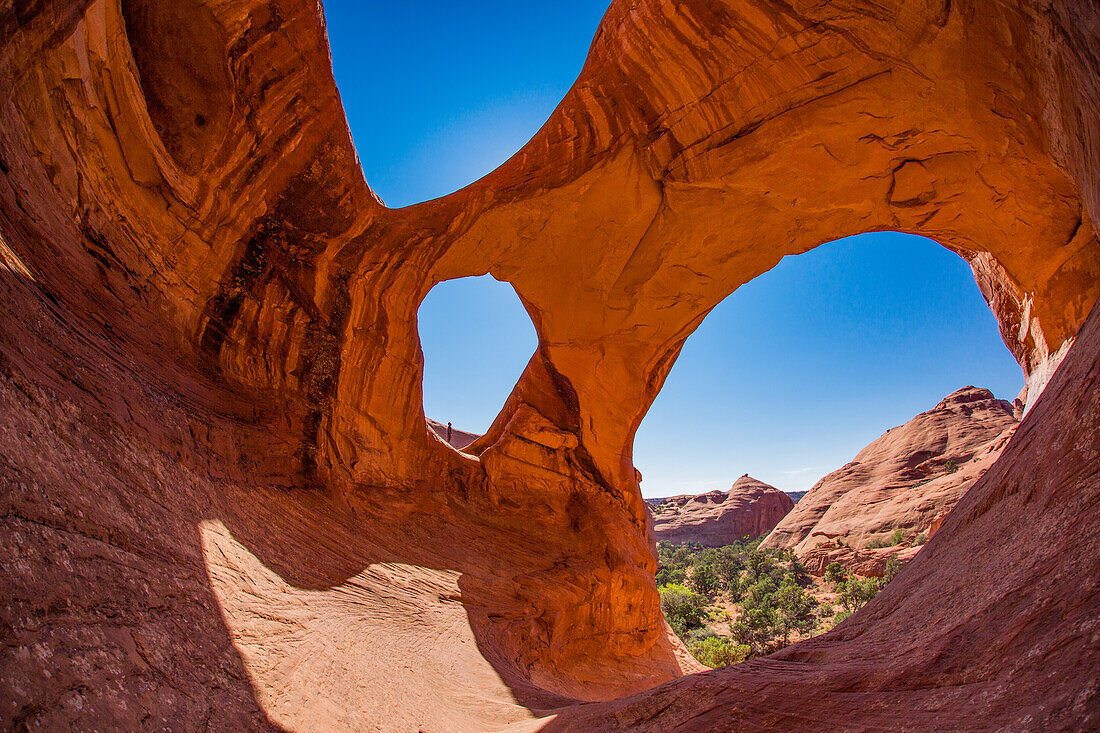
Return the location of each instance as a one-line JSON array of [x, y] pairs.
[[901, 481], [222, 508], [751, 508]]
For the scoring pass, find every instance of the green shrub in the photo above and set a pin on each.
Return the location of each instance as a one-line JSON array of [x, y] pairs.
[[835, 572], [671, 575], [718, 651], [856, 591], [950, 466], [920, 539], [794, 608], [757, 628], [729, 561], [697, 635], [898, 537], [684, 609], [704, 580], [769, 585], [891, 572]]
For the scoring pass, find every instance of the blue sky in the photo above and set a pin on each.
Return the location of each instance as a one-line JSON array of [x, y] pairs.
[[786, 380], [440, 93]]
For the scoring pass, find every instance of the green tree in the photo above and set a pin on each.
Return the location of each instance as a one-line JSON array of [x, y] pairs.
[[684, 609], [891, 572], [759, 625], [835, 572], [759, 564], [856, 591], [718, 651], [794, 608], [667, 575], [704, 580], [729, 561]]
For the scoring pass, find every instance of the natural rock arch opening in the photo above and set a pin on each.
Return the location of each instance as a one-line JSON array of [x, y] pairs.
[[796, 371], [851, 360], [475, 338]]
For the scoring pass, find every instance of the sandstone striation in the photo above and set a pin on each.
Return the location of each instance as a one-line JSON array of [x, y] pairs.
[[904, 479], [750, 509], [222, 508]]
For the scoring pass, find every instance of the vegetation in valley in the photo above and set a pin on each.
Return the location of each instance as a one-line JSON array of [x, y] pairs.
[[730, 603], [899, 537]]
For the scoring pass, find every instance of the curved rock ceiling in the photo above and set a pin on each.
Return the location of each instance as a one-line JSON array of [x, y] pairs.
[[223, 504]]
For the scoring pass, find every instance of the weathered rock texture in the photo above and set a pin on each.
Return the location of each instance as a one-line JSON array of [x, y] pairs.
[[750, 508], [905, 478], [222, 507], [870, 562]]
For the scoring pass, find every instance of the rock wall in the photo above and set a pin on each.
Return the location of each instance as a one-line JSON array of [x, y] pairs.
[[222, 505]]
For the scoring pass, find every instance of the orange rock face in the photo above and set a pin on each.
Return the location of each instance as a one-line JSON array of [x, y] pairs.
[[222, 507], [904, 479], [750, 508], [869, 562]]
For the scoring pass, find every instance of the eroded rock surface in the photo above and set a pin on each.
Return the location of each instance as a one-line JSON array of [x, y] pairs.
[[217, 477], [904, 479], [869, 562], [749, 509]]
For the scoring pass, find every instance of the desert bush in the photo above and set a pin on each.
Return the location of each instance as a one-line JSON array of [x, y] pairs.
[[891, 572], [835, 572], [856, 591], [794, 608], [717, 651], [704, 580], [684, 609], [898, 537], [769, 585], [757, 628]]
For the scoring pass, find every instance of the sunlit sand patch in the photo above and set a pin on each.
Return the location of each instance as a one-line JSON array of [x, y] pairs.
[[389, 649]]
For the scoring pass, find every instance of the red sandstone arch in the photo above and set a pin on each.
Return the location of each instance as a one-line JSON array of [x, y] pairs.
[[220, 300]]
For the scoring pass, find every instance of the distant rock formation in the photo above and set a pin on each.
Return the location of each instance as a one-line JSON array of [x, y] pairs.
[[750, 508], [904, 480], [796, 496]]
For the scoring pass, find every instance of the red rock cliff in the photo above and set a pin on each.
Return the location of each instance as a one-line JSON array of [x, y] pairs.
[[903, 479]]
